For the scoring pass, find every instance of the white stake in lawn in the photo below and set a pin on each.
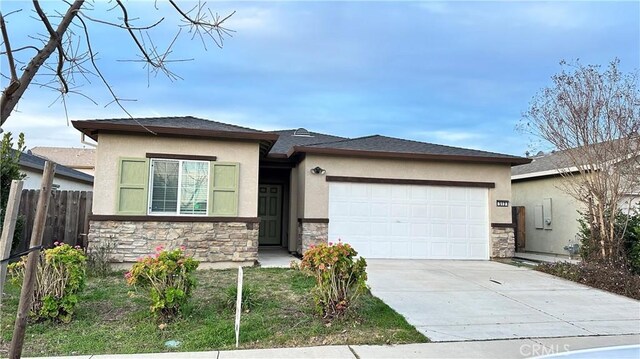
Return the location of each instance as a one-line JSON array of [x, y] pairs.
[[238, 306]]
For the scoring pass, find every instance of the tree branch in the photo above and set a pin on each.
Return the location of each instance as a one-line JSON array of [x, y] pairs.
[[7, 46], [9, 100], [56, 37]]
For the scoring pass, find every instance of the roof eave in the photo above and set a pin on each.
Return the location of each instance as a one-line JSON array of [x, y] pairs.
[[406, 155], [91, 128]]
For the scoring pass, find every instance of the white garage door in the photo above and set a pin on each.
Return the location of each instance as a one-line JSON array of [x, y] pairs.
[[410, 221]]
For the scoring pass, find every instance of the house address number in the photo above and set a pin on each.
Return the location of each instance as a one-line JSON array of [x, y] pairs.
[[502, 203]]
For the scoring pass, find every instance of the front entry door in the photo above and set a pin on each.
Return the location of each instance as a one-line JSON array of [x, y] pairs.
[[269, 211]]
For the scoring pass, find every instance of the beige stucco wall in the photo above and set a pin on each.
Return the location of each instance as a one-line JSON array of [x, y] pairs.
[[113, 146], [316, 188], [564, 214]]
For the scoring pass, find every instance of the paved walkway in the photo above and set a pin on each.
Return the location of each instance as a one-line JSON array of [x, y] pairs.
[[483, 300], [521, 348]]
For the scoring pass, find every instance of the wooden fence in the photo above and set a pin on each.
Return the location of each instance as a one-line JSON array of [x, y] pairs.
[[67, 217]]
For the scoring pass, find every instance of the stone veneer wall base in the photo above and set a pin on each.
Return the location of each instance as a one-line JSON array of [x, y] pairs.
[[503, 242], [311, 234], [214, 244]]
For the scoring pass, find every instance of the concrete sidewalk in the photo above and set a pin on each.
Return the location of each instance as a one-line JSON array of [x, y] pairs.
[[518, 348]]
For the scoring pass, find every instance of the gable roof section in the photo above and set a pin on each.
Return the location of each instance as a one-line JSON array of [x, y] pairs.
[[390, 147], [287, 140], [68, 156], [557, 162], [545, 165], [33, 162], [185, 126]]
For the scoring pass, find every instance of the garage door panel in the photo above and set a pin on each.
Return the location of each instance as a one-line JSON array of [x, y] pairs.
[[419, 230], [410, 221], [400, 210], [438, 211], [439, 230], [457, 194], [419, 211], [457, 231], [458, 212], [359, 209], [419, 193], [400, 230]]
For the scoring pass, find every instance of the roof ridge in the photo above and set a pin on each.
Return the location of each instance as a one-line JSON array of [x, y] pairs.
[[316, 132], [345, 139]]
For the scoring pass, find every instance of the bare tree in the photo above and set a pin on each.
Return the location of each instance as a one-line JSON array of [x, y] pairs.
[[65, 33], [592, 116]]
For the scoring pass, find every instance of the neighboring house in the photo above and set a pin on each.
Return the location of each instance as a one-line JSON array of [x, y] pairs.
[[79, 159], [551, 213], [64, 179], [222, 190]]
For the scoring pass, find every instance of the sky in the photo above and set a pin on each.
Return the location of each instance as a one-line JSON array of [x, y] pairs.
[[453, 73]]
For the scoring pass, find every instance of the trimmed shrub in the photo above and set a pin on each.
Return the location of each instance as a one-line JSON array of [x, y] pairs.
[[60, 277], [168, 276], [340, 278]]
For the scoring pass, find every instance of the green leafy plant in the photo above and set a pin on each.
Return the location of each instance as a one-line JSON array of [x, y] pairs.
[[627, 231], [340, 278], [250, 297], [10, 170], [169, 278], [60, 276]]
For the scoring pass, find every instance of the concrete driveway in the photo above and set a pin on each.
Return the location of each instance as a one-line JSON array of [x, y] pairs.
[[481, 300]]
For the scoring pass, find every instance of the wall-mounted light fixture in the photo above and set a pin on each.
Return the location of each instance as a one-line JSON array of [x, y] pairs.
[[318, 171]]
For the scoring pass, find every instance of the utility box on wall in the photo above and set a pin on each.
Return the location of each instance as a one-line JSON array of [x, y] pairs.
[[546, 213]]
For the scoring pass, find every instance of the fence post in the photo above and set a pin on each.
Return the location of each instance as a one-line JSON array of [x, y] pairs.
[[8, 228], [26, 294]]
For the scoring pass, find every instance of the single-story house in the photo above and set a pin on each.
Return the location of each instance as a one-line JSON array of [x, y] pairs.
[[79, 159], [551, 213], [223, 190], [65, 178]]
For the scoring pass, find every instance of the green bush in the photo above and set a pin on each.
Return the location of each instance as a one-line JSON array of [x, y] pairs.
[[340, 279], [249, 297], [169, 278], [627, 229], [61, 276]]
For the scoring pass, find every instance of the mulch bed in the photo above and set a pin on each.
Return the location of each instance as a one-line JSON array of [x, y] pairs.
[[614, 279]]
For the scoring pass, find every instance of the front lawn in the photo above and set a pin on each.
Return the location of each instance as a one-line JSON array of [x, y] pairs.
[[111, 318]]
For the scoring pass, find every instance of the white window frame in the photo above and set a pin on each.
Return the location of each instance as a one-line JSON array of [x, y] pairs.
[[177, 212]]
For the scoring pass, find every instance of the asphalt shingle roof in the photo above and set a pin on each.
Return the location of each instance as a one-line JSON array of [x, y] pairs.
[[380, 143], [188, 122], [287, 140], [68, 156], [35, 162], [543, 163]]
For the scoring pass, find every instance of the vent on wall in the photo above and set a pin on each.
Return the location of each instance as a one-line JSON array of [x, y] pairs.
[[302, 132]]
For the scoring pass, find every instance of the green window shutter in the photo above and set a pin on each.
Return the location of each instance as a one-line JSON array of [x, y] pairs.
[[133, 179], [223, 184]]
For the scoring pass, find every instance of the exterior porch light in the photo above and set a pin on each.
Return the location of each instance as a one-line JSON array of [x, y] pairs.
[[318, 171]]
